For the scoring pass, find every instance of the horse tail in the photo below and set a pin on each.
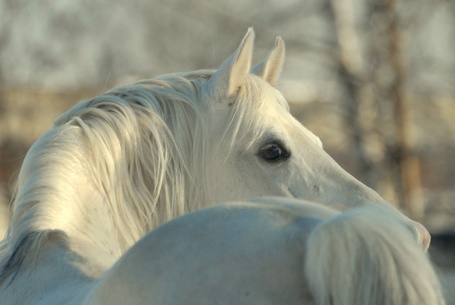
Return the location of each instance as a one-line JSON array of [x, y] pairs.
[[368, 256]]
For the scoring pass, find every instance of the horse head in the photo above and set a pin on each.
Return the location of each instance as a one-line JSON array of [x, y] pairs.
[[259, 149]]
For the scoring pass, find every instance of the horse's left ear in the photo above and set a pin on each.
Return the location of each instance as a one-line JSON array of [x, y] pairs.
[[270, 68], [232, 74]]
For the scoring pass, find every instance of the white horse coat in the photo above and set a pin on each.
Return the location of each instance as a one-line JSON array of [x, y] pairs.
[[118, 165], [274, 251]]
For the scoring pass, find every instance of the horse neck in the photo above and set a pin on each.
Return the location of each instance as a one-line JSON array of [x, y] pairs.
[[105, 176], [56, 191], [65, 284]]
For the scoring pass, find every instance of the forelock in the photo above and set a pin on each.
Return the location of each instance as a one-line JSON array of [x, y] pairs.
[[251, 112]]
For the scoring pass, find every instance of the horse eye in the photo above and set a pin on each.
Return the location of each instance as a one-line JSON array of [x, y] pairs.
[[273, 152]]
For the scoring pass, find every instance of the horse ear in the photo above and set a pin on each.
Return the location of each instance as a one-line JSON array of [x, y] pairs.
[[232, 74], [270, 68]]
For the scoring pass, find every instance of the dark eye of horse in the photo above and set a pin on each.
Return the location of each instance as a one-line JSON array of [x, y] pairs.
[[273, 152]]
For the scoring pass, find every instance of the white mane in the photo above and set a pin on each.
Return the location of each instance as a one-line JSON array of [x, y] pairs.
[[140, 147]]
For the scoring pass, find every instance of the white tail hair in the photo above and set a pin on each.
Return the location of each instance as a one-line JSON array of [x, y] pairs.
[[366, 256]]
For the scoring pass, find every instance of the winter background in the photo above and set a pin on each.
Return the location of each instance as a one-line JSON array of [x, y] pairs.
[[374, 79]]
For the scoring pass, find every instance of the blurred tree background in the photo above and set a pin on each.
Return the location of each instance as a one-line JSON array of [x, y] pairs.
[[375, 79]]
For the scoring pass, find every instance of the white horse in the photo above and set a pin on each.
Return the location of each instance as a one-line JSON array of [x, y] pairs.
[[116, 166], [274, 251]]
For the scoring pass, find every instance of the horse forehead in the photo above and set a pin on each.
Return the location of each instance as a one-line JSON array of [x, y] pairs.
[[282, 122], [274, 98], [278, 110], [298, 130]]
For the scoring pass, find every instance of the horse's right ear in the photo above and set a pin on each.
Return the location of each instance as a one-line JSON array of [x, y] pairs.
[[232, 74]]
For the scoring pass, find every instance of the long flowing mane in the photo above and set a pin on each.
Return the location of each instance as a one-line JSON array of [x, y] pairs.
[[137, 147]]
